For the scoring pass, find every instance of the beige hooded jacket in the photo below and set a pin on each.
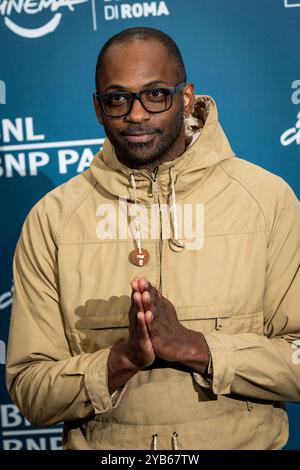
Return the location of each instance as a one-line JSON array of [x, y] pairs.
[[239, 285]]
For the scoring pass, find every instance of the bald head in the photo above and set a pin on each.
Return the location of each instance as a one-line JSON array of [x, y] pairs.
[[142, 34]]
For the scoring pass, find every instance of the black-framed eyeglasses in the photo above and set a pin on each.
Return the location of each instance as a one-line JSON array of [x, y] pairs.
[[153, 100]]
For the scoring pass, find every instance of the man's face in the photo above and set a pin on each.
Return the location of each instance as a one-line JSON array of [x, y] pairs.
[[142, 137]]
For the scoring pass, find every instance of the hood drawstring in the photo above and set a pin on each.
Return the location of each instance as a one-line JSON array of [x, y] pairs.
[[138, 237], [175, 243], [174, 441], [174, 205], [154, 442], [139, 255]]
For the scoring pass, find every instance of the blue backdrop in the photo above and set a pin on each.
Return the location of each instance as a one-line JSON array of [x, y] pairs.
[[245, 53]]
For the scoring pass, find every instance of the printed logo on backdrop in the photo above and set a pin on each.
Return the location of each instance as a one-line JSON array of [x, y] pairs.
[[291, 3], [123, 9], [2, 92], [292, 134], [17, 12], [6, 298], [27, 153], [13, 12], [19, 434], [2, 352]]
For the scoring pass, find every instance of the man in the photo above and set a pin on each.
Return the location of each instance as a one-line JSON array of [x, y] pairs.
[[165, 341]]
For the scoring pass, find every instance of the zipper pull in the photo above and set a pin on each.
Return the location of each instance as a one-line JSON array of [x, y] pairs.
[[153, 183]]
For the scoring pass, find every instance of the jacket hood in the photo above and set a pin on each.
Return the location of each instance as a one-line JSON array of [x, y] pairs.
[[206, 146]]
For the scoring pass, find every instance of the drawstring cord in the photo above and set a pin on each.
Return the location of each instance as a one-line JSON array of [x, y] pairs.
[[174, 441], [154, 442], [138, 237], [174, 205], [175, 243], [178, 243]]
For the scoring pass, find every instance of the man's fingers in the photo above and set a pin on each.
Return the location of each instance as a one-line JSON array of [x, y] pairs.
[[148, 319], [142, 326], [146, 300], [147, 286], [137, 300], [143, 284], [135, 284]]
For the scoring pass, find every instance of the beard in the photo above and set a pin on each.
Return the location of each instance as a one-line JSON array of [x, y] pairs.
[[135, 154]]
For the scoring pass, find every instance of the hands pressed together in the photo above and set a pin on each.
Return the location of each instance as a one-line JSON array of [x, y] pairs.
[[154, 332]]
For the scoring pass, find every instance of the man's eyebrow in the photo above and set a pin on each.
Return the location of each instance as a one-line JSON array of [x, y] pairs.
[[116, 86], [154, 82]]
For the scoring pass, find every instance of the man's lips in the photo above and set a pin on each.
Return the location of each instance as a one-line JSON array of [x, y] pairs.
[[139, 138]]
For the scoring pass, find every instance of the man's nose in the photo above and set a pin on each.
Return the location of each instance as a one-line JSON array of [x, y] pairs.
[[137, 113]]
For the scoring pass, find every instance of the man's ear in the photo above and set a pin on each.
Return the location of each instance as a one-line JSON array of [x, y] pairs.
[[188, 98], [97, 110]]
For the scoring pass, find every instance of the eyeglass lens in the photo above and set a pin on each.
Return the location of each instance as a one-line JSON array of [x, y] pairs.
[[118, 104]]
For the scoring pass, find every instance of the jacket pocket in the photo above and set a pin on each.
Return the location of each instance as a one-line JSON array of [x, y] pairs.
[[224, 318], [100, 324], [98, 336], [206, 318]]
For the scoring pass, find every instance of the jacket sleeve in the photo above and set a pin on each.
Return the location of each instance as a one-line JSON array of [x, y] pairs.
[[268, 366], [43, 379]]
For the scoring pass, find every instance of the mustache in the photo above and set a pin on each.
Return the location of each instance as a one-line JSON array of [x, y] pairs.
[[134, 129]]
